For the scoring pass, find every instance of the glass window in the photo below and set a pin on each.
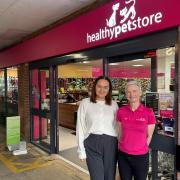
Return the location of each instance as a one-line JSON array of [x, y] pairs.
[[155, 72], [74, 83], [165, 88], [12, 91], [74, 80], [120, 72], [2, 97]]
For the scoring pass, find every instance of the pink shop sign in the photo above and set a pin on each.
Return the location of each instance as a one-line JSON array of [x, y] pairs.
[[127, 18]]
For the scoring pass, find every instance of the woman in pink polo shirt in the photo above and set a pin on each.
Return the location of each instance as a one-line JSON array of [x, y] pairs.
[[136, 124]]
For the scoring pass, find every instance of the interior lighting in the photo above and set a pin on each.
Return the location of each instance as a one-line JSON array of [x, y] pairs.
[[137, 65], [113, 64], [79, 56], [86, 62], [138, 60]]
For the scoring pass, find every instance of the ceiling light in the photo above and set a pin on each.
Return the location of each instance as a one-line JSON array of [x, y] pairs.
[[138, 60], [86, 62], [113, 64], [137, 65]]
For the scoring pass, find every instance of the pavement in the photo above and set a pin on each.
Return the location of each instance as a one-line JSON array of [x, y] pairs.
[[35, 165]]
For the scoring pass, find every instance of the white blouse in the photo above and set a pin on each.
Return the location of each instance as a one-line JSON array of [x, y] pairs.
[[95, 118]]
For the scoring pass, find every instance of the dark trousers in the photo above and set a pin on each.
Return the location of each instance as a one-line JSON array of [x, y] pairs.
[[101, 151], [133, 166]]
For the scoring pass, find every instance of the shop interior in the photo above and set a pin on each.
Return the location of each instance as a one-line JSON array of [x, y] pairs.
[[74, 82]]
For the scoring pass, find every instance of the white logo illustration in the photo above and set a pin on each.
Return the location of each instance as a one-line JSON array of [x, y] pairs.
[[112, 20], [125, 13], [131, 12]]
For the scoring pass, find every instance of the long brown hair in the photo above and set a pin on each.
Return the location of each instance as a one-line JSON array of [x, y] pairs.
[[108, 97]]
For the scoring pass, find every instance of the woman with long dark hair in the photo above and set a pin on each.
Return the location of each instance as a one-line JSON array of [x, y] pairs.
[[97, 131]]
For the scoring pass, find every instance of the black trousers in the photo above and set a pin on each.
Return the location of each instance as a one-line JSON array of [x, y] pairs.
[[101, 151], [133, 166]]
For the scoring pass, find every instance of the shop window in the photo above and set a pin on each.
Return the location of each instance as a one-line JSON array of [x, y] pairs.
[[155, 73], [74, 84], [75, 79], [165, 89], [120, 72], [12, 91], [2, 97]]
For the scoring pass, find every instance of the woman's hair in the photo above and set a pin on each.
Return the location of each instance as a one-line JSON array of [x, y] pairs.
[[89, 86], [108, 97], [132, 82]]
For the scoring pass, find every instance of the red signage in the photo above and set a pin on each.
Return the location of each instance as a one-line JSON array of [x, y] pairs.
[[115, 21]]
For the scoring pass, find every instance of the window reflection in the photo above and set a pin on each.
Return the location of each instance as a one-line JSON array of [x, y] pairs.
[[2, 97], [165, 85], [12, 91]]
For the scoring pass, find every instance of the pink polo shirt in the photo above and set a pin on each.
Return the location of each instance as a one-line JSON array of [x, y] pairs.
[[134, 126]]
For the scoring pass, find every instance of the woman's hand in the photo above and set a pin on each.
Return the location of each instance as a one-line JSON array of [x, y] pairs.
[[82, 160]]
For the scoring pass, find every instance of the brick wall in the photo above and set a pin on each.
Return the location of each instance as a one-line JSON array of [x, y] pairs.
[[23, 105]]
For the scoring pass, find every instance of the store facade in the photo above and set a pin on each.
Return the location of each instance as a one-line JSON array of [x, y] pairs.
[[121, 40]]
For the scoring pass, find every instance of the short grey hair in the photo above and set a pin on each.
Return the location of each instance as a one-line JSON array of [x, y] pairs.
[[132, 82]]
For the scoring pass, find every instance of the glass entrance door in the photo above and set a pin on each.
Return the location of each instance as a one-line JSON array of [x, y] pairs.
[[43, 126]]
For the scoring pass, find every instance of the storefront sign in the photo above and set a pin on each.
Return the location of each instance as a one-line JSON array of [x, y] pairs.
[[115, 21], [128, 18], [123, 20]]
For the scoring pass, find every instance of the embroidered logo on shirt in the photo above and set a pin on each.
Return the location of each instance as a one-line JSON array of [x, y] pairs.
[[141, 119]]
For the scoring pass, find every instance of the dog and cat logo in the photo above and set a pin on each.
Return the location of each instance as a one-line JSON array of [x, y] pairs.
[[125, 13], [123, 19]]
